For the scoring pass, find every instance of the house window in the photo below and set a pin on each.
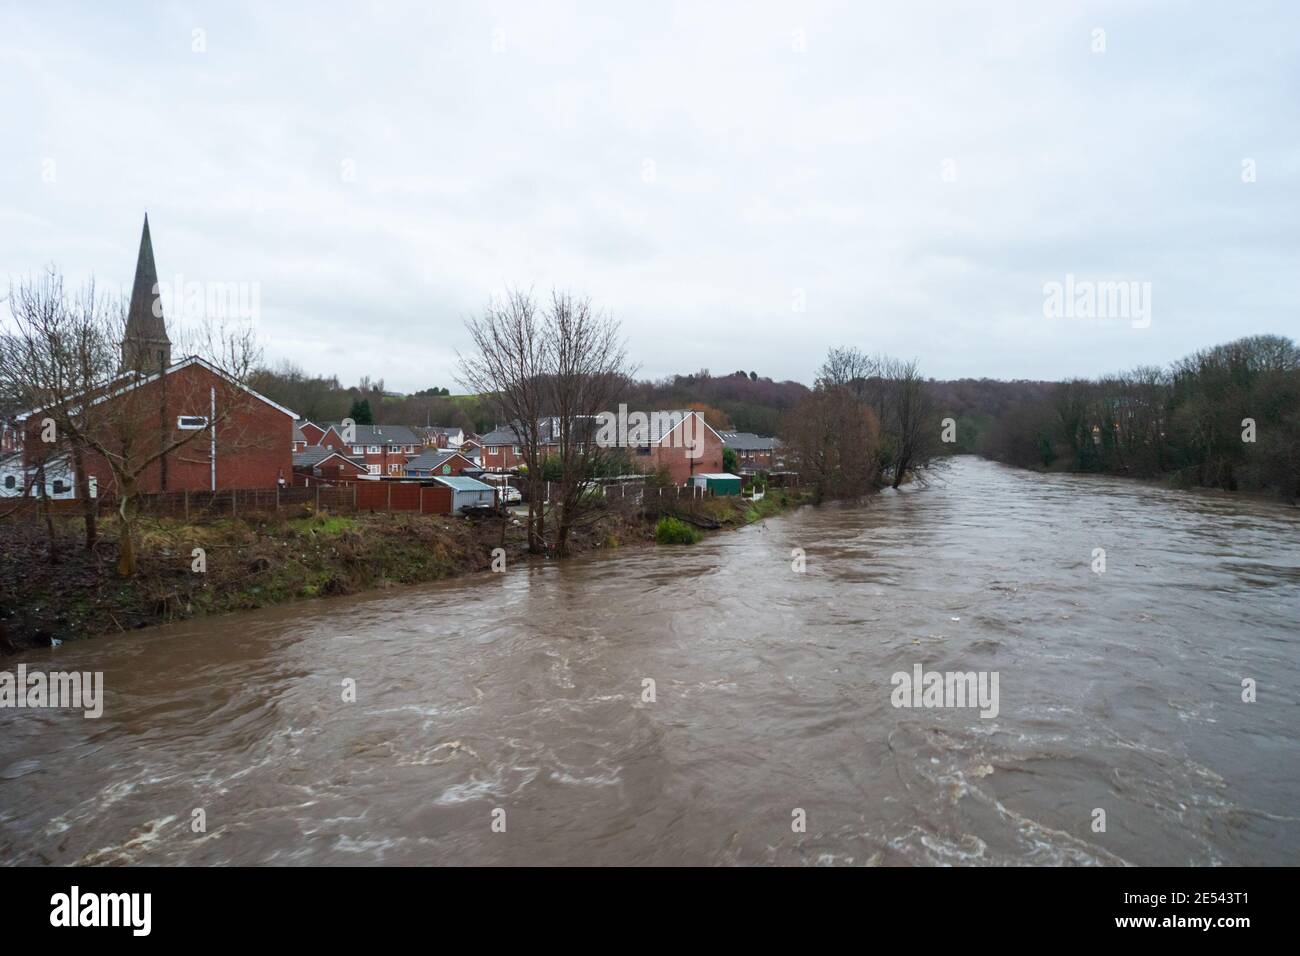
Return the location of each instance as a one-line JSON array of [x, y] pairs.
[[60, 487], [372, 449], [515, 449], [494, 449], [372, 469], [10, 482], [358, 450], [394, 469], [191, 422]]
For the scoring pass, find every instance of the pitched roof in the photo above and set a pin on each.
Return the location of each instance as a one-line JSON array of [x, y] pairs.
[[664, 421], [748, 441], [661, 423], [128, 383], [548, 431], [432, 458], [460, 483], [313, 455], [378, 434], [501, 435], [144, 320]]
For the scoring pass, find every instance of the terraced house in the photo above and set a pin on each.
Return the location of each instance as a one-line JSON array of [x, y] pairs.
[[439, 463], [441, 436], [679, 442], [384, 449], [754, 452], [311, 433], [319, 465], [501, 449]]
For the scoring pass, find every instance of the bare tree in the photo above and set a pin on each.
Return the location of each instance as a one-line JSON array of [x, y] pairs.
[[122, 416], [134, 424], [507, 370], [51, 356], [832, 440], [847, 368], [586, 372], [911, 425], [900, 400]]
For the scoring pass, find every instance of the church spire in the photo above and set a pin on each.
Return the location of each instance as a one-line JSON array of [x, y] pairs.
[[145, 346]]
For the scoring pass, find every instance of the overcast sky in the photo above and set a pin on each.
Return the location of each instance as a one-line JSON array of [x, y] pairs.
[[742, 185]]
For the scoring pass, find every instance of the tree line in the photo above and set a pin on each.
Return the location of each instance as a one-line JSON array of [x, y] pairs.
[[1224, 417], [740, 401]]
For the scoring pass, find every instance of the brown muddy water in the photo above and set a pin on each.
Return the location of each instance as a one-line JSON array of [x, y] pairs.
[[524, 692]]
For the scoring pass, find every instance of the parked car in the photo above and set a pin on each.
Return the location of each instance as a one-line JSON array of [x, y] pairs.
[[510, 496]]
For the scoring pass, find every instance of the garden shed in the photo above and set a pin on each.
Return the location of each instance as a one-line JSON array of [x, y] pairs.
[[717, 483], [467, 492]]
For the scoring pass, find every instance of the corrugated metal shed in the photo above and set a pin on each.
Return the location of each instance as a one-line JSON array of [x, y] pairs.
[[467, 492]]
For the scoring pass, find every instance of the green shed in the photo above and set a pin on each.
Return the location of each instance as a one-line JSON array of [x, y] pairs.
[[718, 483]]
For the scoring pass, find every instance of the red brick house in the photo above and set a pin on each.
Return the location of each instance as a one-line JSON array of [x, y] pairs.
[[439, 463], [227, 435], [686, 448], [440, 436], [471, 447], [319, 465], [311, 433], [501, 450], [384, 448], [249, 447], [753, 452], [681, 442]]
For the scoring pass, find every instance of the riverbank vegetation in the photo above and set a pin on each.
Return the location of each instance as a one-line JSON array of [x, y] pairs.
[[869, 422], [219, 565], [1226, 417], [192, 569], [672, 530]]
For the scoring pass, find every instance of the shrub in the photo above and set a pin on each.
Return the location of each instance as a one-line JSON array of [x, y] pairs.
[[674, 531]]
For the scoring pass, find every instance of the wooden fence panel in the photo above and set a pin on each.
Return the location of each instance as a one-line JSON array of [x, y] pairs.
[[410, 496], [435, 500]]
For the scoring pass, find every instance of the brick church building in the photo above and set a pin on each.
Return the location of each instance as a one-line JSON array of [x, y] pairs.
[[198, 428]]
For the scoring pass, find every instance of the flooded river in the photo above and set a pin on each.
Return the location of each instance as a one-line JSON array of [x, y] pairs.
[[526, 693]]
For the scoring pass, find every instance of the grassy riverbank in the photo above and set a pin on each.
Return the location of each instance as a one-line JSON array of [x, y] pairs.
[[257, 563]]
